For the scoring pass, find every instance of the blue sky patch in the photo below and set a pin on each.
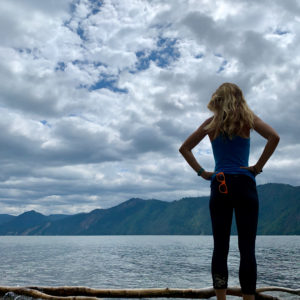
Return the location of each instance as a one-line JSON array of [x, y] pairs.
[[96, 4], [107, 82], [80, 32], [218, 55], [23, 50], [73, 6], [278, 31], [45, 123], [165, 53], [80, 62], [222, 67], [198, 56], [60, 66]]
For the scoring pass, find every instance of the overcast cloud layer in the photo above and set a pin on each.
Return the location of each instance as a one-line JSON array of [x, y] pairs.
[[97, 96]]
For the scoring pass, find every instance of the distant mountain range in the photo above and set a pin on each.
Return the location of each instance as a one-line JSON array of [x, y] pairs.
[[279, 214]]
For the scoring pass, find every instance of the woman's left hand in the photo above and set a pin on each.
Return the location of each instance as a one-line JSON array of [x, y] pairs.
[[207, 175]]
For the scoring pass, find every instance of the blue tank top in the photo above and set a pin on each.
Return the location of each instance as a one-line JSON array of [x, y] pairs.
[[230, 155]]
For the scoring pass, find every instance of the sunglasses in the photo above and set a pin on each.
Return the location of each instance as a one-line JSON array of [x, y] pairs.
[[222, 187]]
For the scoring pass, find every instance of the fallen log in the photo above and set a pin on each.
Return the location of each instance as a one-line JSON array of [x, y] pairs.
[[86, 293]]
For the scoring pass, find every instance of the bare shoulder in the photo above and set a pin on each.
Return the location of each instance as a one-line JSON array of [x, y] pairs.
[[202, 128], [256, 118], [257, 122], [207, 121]]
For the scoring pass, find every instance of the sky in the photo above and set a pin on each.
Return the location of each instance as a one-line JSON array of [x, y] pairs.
[[96, 97]]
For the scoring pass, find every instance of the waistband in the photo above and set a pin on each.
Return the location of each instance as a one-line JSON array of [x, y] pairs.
[[235, 176]]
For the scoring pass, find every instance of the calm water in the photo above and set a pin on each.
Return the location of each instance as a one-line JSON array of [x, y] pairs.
[[139, 261]]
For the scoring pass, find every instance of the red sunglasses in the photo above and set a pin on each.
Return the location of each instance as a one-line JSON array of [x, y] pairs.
[[222, 187]]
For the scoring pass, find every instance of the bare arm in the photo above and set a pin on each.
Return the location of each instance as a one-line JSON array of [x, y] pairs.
[[192, 141], [273, 138]]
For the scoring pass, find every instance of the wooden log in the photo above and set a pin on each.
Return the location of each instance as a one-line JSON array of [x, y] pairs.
[[86, 293], [278, 289], [37, 294]]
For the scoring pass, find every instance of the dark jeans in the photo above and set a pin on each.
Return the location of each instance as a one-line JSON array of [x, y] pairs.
[[242, 197]]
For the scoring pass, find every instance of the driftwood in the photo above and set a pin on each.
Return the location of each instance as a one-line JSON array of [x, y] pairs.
[[85, 293]]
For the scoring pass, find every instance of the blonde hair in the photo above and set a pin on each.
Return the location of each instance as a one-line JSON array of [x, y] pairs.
[[231, 112]]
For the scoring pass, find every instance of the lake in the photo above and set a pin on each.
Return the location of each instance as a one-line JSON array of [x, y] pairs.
[[140, 261]]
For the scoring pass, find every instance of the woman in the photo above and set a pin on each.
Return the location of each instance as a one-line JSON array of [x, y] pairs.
[[233, 184]]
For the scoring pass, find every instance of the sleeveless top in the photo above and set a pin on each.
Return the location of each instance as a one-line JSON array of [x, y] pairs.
[[230, 155]]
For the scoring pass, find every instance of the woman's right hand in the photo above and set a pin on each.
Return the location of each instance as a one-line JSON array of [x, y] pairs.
[[207, 175], [253, 169]]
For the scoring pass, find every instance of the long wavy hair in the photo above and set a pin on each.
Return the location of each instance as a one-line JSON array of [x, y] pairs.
[[231, 112]]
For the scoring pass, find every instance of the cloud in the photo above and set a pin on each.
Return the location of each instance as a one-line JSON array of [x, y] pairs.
[[96, 97]]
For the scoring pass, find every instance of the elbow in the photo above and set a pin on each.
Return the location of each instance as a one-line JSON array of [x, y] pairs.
[[182, 149], [275, 138]]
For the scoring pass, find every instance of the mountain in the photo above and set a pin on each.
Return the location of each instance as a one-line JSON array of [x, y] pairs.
[[28, 223], [57, 217], [23, 224], [5, 218], [279, 213], [279, 209]]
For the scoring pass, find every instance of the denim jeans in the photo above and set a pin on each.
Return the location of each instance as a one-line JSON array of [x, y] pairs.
[[241, 197]]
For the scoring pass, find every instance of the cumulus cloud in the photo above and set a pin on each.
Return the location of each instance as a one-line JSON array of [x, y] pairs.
[[97, 96]]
